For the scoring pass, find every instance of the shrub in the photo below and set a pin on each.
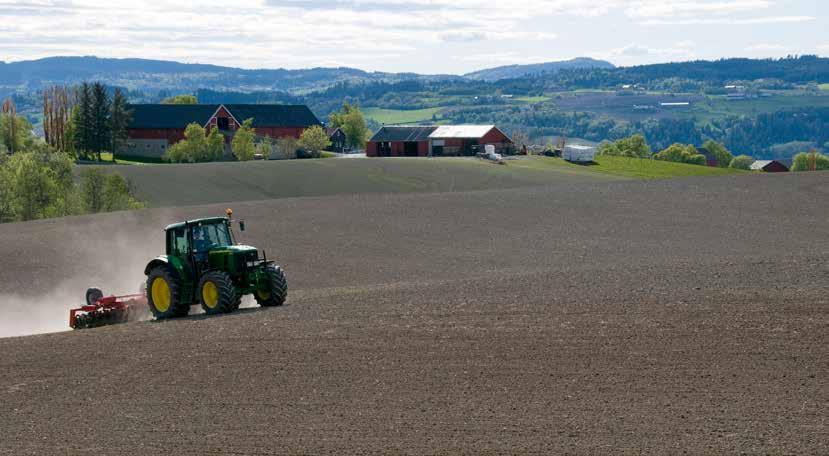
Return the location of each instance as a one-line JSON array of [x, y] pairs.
[[806, 161], [741, 162], [285, 149]]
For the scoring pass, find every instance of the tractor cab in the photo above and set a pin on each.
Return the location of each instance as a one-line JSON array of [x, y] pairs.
[[199, 236]]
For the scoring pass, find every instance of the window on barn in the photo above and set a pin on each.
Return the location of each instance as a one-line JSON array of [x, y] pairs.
[[223, 123]]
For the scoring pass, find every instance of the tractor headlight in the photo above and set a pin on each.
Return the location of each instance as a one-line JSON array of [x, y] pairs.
[[251, 264]]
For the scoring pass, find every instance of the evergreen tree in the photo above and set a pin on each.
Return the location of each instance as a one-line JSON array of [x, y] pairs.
[[82, 120], [100, 136], [119, 119]]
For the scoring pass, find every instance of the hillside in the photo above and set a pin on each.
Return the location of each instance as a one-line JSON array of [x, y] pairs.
[[517, 71], [143, 74], [609, 317], [189, 184]]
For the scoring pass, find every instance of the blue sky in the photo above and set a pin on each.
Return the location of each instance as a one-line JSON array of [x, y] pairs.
[[424, 36]]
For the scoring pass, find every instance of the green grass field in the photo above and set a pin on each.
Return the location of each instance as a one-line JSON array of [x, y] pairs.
[[824, 87], [205, 183], [624, 167], [720, 107], [399, 116], [532, 100]]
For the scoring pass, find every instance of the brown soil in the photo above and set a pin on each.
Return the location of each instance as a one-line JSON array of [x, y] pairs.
[[663, 317]]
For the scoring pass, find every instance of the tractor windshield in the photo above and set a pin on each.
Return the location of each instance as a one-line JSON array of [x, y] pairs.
[[212, 235]]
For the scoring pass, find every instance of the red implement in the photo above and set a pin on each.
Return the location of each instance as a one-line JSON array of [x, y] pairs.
[[106, 310]]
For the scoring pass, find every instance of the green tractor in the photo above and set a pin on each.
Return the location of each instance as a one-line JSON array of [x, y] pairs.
[[204, 265]]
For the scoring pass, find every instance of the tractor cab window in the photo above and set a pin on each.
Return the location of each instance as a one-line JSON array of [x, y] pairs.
[[179, 242], [206, 237]]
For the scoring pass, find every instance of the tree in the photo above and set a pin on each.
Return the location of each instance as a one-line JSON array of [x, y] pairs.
[[242, 143], [58, 102], [119, 119], [741, 162], [215, 145], [34, 187], [265, 147], [193, 148], [314, 140], [106, 192], [285, 148], [810, 161], [15, 132], [180, 99], [100, 135], [723, 156], [681, 154], [82, 119], [634, 146], [92, 189], [9, 126], [352, 122]]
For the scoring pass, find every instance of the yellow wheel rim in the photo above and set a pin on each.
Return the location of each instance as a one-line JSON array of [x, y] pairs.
[[263, 294], [161, 294], [210, 295]]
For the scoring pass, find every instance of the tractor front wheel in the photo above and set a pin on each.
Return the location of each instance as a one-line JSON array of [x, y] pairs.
[[217, 294], [275, 289], [164, 294]]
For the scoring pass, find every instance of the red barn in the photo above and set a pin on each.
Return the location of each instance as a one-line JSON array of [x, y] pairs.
[[443, 140], [154, 127]]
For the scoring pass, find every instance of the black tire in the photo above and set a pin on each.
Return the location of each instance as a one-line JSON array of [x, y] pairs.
[[175, 307], [217, 294], [93, 295], [275, 290]]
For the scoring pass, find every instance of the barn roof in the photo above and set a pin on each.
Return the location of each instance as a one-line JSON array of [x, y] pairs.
[[169, 115], [461, 131], [412, 133], [273, 115], [179, 116]]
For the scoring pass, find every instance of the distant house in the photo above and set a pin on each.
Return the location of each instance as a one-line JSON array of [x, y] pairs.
[[444, 140], [337, 138], [769, 166], [710, 159], [155, 127]]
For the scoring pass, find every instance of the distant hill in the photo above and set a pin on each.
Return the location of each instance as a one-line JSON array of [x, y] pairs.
[[517, 71], [167, 75]]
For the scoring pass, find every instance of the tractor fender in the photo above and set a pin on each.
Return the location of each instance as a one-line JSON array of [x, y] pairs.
[[157, 261]]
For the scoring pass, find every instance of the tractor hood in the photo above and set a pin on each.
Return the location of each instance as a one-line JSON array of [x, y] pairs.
[[231, 249]]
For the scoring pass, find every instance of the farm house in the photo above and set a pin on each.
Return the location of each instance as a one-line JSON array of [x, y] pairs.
[[155, 127], [443, 140], [769, 166]]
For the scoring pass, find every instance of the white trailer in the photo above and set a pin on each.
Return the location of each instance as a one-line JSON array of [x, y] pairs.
[[578, 153]]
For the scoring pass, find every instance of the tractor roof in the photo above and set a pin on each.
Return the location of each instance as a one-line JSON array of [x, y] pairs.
[[196, 221]]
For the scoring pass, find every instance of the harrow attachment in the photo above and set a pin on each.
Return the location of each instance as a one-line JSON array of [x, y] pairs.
[[103, 310]]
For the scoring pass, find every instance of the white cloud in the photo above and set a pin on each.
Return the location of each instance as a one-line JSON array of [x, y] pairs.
[[766, 47], [372, 34]]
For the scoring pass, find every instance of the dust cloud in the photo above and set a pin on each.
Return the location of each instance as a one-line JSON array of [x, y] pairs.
[[111, 261]]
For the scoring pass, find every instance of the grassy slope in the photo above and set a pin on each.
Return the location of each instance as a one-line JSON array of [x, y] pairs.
[[824, 87], [177, 185], [627, 167], [398, 116]]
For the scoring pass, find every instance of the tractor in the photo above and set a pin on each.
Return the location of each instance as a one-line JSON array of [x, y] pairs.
[[205, 265]]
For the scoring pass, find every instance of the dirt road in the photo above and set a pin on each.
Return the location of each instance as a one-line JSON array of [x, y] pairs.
[[598, 318]]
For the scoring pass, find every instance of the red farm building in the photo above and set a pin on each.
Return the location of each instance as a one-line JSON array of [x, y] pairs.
[[154, 127], [443, 140], [769, 166]]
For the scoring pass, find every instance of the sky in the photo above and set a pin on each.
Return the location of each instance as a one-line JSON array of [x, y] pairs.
[[422, 36]]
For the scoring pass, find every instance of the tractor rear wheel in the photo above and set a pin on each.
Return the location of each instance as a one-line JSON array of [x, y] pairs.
[[164, 294], [217, 294], [275, 288]]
